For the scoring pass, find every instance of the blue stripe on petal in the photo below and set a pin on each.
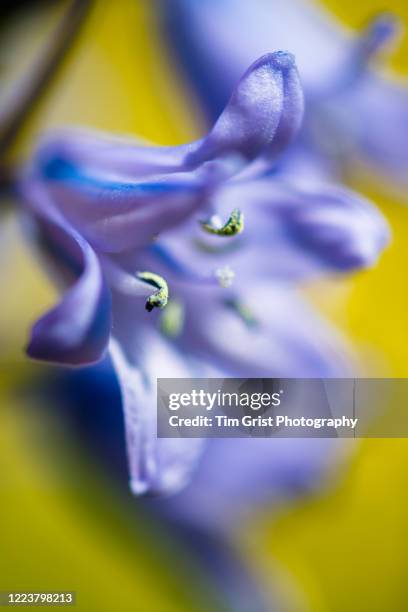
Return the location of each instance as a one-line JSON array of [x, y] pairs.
[[60, 169]]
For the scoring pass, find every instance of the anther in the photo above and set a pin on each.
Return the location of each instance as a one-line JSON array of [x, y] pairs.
[[232, 227], [159, 298]]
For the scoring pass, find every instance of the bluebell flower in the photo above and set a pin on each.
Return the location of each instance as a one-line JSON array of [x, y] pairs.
[[150, 242], [355, 112]]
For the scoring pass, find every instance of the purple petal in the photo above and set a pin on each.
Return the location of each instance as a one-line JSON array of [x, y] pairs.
[[76, 331], [319, 227], [340, 229], [117, 215], [292, 231], [156, 465], [360, 114], [237, 476], [278, 334], [250, 129], [119, 195], [352, 111], [216, 40], [373, 128]]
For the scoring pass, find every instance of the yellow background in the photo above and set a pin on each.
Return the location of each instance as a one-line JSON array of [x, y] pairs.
[[60, 522]]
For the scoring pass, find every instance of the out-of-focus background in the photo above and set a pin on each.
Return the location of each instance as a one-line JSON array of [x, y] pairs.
[[64, 522]]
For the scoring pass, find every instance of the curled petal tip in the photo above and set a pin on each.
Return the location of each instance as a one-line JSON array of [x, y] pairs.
[[138, 487], [256, 109], [386, 23], [343, 230], [381, 31], [282, 59]]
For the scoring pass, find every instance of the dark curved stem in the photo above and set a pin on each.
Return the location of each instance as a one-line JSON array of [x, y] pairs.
[[39, 76]]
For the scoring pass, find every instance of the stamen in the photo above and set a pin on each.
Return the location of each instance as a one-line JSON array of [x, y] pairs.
[[224, 276], [160, 297], [172, 319], [232, 227], [242, 311]]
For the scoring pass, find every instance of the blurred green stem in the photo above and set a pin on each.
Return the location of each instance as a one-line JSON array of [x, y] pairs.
[[38, 77]]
